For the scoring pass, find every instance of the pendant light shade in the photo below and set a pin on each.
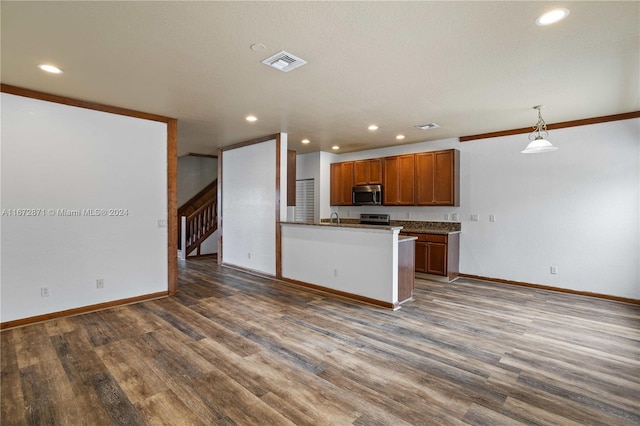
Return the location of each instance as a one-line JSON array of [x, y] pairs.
[[539, 145], [538, 137]]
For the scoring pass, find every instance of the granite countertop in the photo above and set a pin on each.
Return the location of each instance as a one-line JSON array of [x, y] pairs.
[[423, 227], [429, 231], [345, 225], [403, 238], [409, 226]]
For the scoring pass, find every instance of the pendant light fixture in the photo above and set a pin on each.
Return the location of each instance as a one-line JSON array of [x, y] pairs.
[[538, 137]]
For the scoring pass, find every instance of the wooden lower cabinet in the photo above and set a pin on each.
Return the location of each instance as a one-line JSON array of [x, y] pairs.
[[437, 258], [437, 254]]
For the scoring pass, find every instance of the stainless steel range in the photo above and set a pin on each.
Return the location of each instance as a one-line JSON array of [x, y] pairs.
[[375, 219]]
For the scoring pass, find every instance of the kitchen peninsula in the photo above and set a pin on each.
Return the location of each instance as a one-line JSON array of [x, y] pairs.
[[370, 263]]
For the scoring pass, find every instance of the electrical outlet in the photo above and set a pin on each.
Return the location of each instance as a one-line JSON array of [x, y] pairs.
[[475, 218], [446, 216], [408, 215], [454, 216], [553, 270], [492, 218], [44, 291], [100, 283]]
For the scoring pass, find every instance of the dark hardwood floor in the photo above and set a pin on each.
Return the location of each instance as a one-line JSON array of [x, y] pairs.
[[233, 348]]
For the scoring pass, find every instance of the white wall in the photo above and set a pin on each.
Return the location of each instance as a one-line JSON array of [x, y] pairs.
[[60, 157], [576, 208], [194, 174], [249, 205]]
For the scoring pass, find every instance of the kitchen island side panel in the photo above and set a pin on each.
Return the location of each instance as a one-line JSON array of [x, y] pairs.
[[363, 262]]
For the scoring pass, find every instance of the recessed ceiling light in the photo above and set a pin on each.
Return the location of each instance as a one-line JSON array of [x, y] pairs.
[[251, 118], [373, 127], [306, 141], [258, 47], [50, 68], [335, 147], [427, 126], [400, 137], [552, 17]]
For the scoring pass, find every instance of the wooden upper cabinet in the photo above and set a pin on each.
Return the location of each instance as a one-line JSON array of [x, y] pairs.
[[367, 172], [291, 178], [336, 185], [341, 183], [399, 177], [424, 179], [438, 178]]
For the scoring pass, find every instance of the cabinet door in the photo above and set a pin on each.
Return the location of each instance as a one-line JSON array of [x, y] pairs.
[[347, 183], [367, 172], [341, 184], [375, 171], [444, 178], [391, 194], [398, 176], [424, 178], [335, 184], [437, 258], [421, 257], [291, 178], [406, 180], [361, 172]]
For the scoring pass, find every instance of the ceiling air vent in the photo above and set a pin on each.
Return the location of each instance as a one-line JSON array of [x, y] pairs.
[[427, 126], [284, 61]]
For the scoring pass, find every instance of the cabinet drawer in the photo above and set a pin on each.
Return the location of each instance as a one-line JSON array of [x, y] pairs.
[[432, 238]]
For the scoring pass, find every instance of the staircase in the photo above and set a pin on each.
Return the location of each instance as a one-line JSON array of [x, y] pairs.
[[197, 220]]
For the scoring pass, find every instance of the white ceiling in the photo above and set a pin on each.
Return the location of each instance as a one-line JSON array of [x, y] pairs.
[[472, 67]]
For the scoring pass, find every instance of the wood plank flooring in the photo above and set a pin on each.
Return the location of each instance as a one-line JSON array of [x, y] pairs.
[[233, 348]]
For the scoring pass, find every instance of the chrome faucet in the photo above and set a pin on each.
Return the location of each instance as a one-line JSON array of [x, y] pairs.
[[337, 217]]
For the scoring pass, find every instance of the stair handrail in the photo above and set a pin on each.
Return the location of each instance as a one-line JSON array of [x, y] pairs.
[[200, 193], [198, 226]]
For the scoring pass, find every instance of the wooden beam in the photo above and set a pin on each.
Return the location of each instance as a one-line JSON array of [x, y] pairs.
[[28, 93], [172, 205], [554, 126]]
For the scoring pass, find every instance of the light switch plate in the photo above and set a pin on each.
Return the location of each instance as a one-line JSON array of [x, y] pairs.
[[475, 218]]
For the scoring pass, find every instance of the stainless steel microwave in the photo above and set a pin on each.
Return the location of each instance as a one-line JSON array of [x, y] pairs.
[[366, 195]]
